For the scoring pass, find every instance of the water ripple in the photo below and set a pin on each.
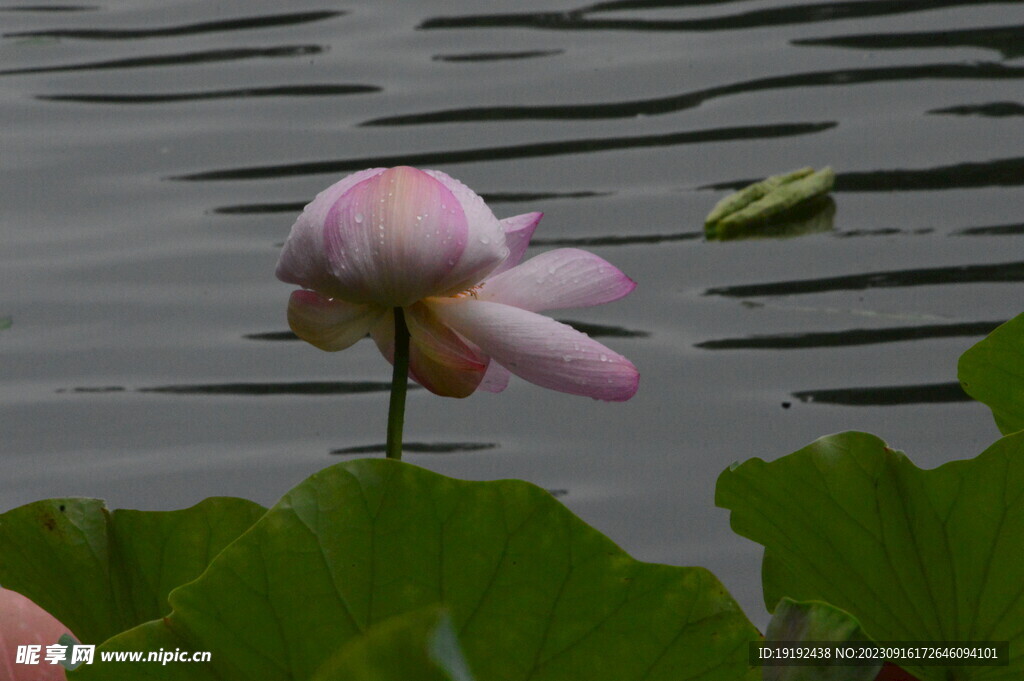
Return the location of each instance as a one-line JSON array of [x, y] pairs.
[[243, 23], [50, 8], [1004, 172], [272, 336], [295, 207], [883, 396], [168, 97], [262, 208], [420, 448], [992, 109], [604, 331], [689, 100], [293, 388], [1008, 40], [577, 19], [593, 330], [992, 230], [207, 56], [930, 276], [535, 150], [613, 240], [496, 56], [526, 197], [848, 337]]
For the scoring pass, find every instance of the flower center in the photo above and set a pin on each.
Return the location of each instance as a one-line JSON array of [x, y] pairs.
[[469, 292]]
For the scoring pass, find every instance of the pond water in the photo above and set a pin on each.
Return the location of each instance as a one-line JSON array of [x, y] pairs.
[[153, 156]]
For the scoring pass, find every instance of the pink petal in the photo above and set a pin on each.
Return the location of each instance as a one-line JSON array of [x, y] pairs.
[[485, 243], [539, 349], [303, 261], [22, 622], [395, 238], [438, 359], [329, 324], [495, 379], [565, 277], [518, 232]]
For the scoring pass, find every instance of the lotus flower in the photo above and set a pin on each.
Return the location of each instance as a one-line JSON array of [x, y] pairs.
[[23, 623], [419, 240]]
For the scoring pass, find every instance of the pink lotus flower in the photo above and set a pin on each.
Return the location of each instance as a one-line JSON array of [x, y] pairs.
[[420, 240], [24, 623]]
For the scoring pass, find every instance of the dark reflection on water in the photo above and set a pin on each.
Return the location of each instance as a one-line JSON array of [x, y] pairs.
[[832, 339], [496, 56], [49, 8], [777, 16], [539, 196], [601, 330], [595, 330], [420, 448], [492, 154], [272, 336], [295, 207], [883, 231], [262, 208], [1004, 172], [618, 240], [206, 56], [887, 395], [688, 100], [1009, 40], [296, 388], [94, 389], [994, 230], [163, 98], [243, 23], [992, 109], [930, 276]]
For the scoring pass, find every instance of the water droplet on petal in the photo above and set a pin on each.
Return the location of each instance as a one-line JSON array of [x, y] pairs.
[[358, 217]]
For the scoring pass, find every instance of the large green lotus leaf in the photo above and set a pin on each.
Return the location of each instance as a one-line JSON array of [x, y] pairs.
[[533, 592], [992, 372], [914, 555], [102, 572], [417, 646], [813, 622]]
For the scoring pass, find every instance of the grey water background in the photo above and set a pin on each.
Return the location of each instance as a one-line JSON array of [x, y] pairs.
[[153, 156]]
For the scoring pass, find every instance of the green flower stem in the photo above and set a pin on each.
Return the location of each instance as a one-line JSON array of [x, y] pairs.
[[399, 383]]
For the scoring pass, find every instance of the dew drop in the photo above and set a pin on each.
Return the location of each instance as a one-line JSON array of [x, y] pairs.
[[358, 217], [604, 358]]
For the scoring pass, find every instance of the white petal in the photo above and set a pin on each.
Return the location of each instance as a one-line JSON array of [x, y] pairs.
[[329, 324], [563, 278], [485, 243], [539, 349], [303, 261], [394, 238], [518, 232]]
